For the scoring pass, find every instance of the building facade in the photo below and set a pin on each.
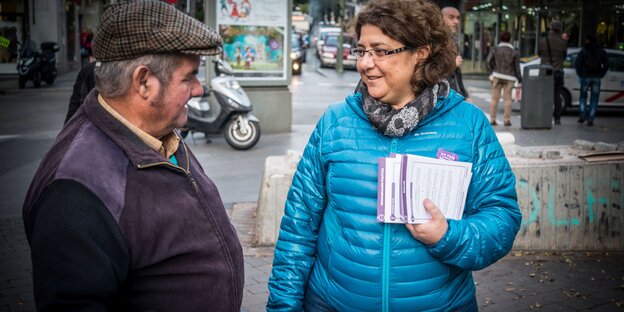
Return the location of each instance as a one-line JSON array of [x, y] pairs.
[[61, 21], [70, 23]]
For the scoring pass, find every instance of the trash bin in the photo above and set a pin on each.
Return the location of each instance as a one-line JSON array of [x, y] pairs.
[[538, 95]]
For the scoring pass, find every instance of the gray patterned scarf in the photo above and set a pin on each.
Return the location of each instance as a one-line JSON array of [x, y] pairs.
[[397, 122]]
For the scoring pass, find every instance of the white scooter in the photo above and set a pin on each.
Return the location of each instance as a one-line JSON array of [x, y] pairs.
[[224, 107]]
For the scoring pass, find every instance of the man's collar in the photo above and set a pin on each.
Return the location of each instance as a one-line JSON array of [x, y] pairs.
[[167, 146]]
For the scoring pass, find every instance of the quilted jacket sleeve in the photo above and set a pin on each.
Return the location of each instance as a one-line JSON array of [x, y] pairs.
[[295, 251], [492, 217]]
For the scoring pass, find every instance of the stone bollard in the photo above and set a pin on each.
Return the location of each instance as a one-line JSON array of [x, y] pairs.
[[276, 180]]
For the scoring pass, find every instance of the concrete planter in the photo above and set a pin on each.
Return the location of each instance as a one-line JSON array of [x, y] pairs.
[[567, 203]]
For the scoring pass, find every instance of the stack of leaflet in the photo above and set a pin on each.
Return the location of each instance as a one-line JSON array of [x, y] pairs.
[[405, 180]]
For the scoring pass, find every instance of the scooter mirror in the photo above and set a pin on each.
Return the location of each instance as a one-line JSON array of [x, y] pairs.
[[206, 91], [222, 67]]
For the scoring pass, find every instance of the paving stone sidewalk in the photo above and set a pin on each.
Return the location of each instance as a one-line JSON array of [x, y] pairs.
[[522, 281], [16, 292]]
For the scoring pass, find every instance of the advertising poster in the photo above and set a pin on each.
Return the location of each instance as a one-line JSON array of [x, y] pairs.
[[254, 37]]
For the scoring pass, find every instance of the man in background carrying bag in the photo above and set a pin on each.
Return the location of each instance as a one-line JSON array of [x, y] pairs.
[[553, 50]]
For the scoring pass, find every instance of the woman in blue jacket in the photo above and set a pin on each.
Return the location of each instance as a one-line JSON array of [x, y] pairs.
[[332, 254]]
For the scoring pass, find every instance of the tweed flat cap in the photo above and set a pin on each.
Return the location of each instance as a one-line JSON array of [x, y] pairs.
[[131, 29]]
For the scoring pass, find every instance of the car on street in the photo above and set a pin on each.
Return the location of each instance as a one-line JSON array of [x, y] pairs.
[[611, 86], [321, 35], [329, 52], [297, 54]]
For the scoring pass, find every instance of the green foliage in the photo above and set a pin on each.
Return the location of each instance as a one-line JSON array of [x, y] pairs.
[[305, 8], [199, 14], [303, 5]]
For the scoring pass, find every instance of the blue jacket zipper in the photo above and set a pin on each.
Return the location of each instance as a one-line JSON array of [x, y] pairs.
[[385, 284]]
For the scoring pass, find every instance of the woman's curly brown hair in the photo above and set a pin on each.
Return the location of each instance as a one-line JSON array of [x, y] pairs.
[[415, 23]]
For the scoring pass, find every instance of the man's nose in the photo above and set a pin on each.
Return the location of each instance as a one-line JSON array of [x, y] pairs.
[[198, 89]]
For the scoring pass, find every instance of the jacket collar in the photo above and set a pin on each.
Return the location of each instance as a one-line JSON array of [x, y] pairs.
[[138, 153], [506, 44]]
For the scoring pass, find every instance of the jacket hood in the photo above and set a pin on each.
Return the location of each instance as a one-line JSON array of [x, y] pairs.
[[592, 46], [354, 101]]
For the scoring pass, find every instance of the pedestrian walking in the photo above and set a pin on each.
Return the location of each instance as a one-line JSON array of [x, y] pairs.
[[332, 254], [591, 66], [452, 18], [504, 67], [85, 82], [120, 215], [552, 51], [86, 41]]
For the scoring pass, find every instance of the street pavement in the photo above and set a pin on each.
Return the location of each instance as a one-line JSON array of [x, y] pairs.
[[521, 281]]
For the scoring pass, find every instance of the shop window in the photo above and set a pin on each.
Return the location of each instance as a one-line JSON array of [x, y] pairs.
[[11, 34]]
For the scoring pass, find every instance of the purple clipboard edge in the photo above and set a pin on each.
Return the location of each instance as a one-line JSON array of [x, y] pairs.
[[381, 179]]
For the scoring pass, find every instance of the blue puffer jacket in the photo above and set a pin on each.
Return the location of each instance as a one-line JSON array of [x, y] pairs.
[[331, 243]]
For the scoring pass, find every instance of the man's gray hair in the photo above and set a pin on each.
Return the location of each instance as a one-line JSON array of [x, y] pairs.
[[113, 79], [555, 26]]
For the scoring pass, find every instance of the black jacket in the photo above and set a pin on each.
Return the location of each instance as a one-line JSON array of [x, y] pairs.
[[599, 55], [85, 81], [456, 81]]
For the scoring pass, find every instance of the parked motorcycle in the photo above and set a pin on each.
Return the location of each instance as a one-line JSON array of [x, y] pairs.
[[224, 107], [48, 61], [37, 66]]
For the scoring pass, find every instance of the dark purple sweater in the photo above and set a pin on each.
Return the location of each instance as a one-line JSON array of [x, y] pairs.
[[115, 226]]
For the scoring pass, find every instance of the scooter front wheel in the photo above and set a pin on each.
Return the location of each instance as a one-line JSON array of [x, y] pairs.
[[242, 133], [37, 79], [22, 81]]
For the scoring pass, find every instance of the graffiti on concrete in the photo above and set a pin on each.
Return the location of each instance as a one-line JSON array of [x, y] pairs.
[[591, 199]]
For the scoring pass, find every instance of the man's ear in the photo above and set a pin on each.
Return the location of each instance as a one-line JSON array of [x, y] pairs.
[[143, 81]]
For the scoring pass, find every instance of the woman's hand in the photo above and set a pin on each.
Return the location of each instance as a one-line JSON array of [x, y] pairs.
[[459, 60], [432, 231]]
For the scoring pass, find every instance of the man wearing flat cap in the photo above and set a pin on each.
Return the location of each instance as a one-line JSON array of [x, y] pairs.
[[552, 51], [120, 215]]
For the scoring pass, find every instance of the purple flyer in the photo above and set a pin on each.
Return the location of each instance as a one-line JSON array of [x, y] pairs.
[[446, 155]]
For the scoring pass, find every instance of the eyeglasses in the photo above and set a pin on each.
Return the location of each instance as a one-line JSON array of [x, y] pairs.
[[376, 53]]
